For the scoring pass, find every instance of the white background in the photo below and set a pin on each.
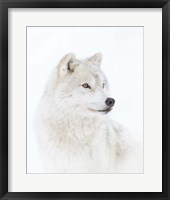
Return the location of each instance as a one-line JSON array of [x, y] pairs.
[[122, 49], [151, 19]]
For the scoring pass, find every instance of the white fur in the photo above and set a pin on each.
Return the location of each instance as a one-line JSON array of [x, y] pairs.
[[73, 136]]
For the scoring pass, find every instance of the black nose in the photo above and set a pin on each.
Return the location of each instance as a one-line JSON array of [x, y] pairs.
[[110, 102]]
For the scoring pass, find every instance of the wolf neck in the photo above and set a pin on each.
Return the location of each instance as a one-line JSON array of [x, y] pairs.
[[71, 123], [78, 124]]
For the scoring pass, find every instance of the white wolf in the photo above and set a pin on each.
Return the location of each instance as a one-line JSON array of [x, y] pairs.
[[75, 134]]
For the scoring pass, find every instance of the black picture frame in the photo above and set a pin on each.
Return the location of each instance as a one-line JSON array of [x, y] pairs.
[[4, 5]]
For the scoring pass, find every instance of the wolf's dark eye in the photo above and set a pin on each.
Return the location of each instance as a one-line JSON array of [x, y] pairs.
[[85, 85], [103, 85]]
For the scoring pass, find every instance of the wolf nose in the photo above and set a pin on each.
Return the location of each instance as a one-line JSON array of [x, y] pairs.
[[110, 102]]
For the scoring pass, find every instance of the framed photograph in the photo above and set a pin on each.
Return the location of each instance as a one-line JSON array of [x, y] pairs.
[[84, 99]]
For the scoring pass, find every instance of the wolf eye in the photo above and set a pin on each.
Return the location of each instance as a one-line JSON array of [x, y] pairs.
[[103, 85], [85, 85]]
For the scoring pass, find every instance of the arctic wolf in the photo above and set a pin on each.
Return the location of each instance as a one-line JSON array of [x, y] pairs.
[[74, 132]]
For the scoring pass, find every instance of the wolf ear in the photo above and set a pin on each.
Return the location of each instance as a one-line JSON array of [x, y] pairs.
[[96, 59], [66, 65]]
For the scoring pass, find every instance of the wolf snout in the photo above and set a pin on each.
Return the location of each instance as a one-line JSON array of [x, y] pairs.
[[110, 102]]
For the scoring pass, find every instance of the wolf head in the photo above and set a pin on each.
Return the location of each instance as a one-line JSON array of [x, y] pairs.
[[82, 85]]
